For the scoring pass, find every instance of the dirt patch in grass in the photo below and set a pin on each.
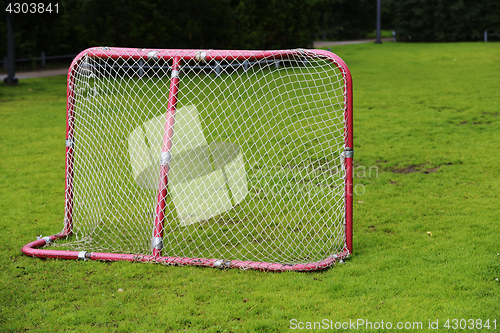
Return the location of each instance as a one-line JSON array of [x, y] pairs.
[[496, 114], [408, 169], [477, 122], [418, 168], [431, 170]]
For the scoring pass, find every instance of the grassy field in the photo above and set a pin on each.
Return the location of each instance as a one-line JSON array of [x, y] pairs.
[[426, 229]]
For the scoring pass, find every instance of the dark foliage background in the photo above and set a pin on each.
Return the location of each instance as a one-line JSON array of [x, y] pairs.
[[228, 24], [346, 19], [444, 20], [240, 24]]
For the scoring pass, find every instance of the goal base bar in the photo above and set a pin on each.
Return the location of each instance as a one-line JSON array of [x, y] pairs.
[[33, 249]]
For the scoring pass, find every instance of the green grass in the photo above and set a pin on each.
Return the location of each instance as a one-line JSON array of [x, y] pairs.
[[383, 34], [427, 127]]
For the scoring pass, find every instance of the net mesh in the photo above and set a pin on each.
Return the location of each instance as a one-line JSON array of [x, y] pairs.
[[256, 170]]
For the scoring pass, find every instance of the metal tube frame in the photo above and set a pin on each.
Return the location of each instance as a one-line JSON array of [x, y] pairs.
[[33, 248], [165, 160]]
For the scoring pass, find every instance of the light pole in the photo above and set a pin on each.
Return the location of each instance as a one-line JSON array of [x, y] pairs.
[[378, 41], [11, 79]]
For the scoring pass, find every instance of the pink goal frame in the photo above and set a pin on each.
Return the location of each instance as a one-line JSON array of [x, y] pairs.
[[177, 56]]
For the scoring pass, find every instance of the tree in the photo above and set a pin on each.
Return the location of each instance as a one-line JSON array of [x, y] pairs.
[[445, 20]]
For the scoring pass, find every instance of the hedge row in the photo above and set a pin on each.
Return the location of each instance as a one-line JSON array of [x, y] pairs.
[[241, 24], [444, 20], [228, 24]]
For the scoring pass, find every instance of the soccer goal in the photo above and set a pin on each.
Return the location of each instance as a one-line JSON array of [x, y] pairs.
[[210, 158]]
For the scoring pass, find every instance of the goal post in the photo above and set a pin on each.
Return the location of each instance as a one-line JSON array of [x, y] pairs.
[[213, 158]]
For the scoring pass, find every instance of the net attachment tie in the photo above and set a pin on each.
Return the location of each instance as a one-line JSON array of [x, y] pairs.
[[70, 142], [201, 56], [157, 243], [175, 74], [47, 239], [82, 255], [349, 152], [152, 54], [222, 264], [165, 158]]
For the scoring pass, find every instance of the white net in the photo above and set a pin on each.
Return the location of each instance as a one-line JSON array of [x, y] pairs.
[[256, 172]]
